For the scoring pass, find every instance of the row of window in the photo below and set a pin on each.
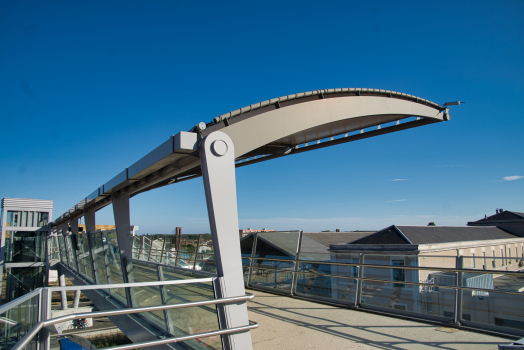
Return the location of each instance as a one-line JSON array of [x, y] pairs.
[[27, 218], [509, 259]]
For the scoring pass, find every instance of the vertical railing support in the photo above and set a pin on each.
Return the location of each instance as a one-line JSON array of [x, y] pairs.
[[217, 156], [44, 305], [358, 294], [196, 251], [163, 250], [252, 260], [458, 292], [296, 265]]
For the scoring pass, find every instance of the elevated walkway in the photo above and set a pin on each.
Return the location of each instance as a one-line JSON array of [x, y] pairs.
[[291, 323]]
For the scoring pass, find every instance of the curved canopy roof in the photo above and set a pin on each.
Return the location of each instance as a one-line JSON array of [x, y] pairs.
[[273, 128]]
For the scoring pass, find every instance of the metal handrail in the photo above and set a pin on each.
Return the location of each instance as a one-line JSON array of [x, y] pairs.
[[251, 325], [502, 291], [429, 268], [34, 331], [130, 285]]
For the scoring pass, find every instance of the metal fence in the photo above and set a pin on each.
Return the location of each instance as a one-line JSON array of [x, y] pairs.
[[484, 293], [25, 322]]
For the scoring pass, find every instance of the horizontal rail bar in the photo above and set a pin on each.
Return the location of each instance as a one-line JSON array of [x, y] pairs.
[[502, 291], [251, 325], [210, 274], [34, 331], [427, 268], [130, 285]]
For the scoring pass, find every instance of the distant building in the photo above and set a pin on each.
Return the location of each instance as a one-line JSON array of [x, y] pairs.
[[247, 231], [511, 221], [481, 248], [82, 227]]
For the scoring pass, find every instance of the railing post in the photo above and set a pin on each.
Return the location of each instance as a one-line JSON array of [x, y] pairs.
[[458, 292], [296, 265], [252, 260], [44, 306], [196, 251], [163, 250], [150, 249], [358, 293]]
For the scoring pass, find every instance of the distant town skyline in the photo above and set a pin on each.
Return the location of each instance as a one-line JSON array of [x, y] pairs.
[[88, 88]]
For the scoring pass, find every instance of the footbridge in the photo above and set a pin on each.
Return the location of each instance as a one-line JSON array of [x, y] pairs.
[[154, 298]]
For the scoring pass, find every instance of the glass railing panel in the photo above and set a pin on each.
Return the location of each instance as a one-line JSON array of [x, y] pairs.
[[16, 322], [493, 308], [63, 256], [276, 245], [99, 257], [114, 266], [85, 255], [146, 296], [191, 320], [273, 274], [319, 280], [70, 253], [55, 250]]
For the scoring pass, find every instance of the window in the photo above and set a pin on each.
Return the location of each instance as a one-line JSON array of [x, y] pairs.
[[398, 274], [473, 262], [493, 260], [484, 267], [501, 256], [509, 256]]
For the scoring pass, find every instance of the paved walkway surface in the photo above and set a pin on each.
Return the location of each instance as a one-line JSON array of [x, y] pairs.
[[288, 323]]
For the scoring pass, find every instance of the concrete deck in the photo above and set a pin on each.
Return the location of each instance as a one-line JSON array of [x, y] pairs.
[[288, 323]]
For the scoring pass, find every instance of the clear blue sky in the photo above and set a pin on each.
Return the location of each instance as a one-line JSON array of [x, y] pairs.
[[89, 87]]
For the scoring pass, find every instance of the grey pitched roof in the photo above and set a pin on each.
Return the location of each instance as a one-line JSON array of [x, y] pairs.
[[312, 242], [505, 215], [318, 242], [434, 234]]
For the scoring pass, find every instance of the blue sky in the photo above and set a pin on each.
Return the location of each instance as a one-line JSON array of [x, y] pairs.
[[89, 87]]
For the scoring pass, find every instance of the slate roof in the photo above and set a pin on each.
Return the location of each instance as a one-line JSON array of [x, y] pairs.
[[505, 215], [434, 234], [312, 242]]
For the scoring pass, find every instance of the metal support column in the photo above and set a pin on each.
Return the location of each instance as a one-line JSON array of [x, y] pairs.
[[458, 292], [358, 294], [90, 221], [123, 233], [296, 264], [63, 295], [217, 155], [252, 261]]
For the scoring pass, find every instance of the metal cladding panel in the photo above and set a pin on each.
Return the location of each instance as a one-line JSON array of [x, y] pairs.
[[27, 203], [156, 155], [295, 121], [114, 182], [92, 196]]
